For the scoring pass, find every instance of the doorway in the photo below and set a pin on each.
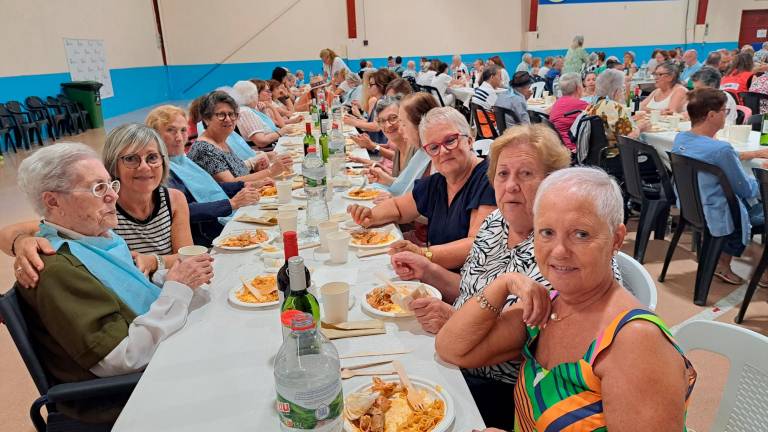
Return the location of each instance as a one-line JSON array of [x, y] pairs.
[[754, 28]]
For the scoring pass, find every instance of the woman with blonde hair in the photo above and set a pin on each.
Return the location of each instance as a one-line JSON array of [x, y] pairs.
[[331, 63]]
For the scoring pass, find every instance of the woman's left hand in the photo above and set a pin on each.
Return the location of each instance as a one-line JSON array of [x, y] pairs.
[[146, 263], [533, 296], [383, 196], [431, 313], [404, 246], [350, 120]]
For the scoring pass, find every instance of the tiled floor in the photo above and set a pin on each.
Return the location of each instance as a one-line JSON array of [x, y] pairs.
[[674, 305]]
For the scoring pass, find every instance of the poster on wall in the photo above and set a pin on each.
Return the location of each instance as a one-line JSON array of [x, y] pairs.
[[87, 61]]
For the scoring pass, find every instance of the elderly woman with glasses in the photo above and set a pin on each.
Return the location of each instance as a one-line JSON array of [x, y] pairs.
[[593, 357], [455, 200], [669, 95], [93, 314], [374, 85], [211, 150]]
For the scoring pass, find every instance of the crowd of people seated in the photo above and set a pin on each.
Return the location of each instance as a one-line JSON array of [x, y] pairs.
[[101, 274]]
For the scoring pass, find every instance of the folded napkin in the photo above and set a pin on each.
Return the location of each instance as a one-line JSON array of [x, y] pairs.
[[362, 253], [353, 329], [266, 219], [274, 206]]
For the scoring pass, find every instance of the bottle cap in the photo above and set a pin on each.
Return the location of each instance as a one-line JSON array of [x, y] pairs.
[[288, 316], [302, 321], [311, 149]]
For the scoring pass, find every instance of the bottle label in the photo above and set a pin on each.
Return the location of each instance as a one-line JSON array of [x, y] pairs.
[[314, 117], [313, 182], [317, 409], [765, 126]]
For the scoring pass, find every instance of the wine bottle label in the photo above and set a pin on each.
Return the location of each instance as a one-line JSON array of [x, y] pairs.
[[317, 408]]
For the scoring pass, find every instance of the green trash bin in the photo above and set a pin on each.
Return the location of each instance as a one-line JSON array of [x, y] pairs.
[[87, 93]]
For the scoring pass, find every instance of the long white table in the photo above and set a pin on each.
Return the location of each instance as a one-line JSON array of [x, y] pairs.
[[216, 373], [663, 142]]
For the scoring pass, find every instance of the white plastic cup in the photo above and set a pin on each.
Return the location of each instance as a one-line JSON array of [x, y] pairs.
[[674, 122], [324, 228], [545, 93], [287, 220], [191, 251], [549, 100], [739, 133], [338, 245], [335, 297], [655, 116], [284, 190]]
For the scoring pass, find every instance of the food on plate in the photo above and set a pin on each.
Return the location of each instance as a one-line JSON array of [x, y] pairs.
[[268, 191], [371, 237], [263, 289], [245, 239], [364, 194], [354, 171], [384, 408]]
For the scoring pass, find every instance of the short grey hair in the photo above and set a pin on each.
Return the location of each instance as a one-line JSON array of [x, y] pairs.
[[587, 183], [354, 78], [246, 91], [569, 83], [50, 170], [708, 76], [443, 115], [578, 41], [608, 83], [527, 56], [386, 102], [131, 138]]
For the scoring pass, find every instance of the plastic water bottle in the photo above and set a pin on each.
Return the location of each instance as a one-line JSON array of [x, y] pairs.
[[556, 87], [337, 157], [313, 171], [336, 114], [308, 380]]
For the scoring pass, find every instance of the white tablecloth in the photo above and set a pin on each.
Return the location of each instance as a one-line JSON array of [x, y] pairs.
[[663, 141], [216, 374]]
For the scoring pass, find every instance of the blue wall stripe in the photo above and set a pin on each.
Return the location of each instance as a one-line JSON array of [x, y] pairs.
[[144, 86]]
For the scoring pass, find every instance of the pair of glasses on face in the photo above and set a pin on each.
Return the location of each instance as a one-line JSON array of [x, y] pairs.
[[659, 75], [391, 120], [134, 160], [221, 116], [450, 143], [99, 190], [372, 84]]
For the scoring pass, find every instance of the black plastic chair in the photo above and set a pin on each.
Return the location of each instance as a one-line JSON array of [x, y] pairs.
[[481, 117], [756, 120], [36, 107], [434, 92], [78, 117], [655, 199], [412, 81], [7, 130], [686, 173], [61, 122], [501, 114], [752, 100], [546, 122], [537, 117], [26, 124], [12, 312], [762, 179]]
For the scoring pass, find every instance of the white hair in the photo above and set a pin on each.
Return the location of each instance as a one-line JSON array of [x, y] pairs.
[[586, 183], [608, 83], [569, 83], [578, 41], [527, 56], [247, 92], [50, 169], [443, 115], [411, 63], [233, 94]]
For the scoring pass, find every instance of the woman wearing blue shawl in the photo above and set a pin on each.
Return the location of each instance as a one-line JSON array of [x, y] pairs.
[[208, 200], [93, 313]]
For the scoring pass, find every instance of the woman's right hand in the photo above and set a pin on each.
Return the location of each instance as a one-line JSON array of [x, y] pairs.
[[377, 175], [410, 266], [362, 215], [278, 167], [533, 297], [246, 196], [192, 272], [28, 264], [364, 141]]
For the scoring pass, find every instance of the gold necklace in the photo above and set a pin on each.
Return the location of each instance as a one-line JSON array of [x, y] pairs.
[[556, 318]]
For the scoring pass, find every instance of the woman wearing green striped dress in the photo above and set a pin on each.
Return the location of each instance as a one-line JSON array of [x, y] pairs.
[[593, 358]]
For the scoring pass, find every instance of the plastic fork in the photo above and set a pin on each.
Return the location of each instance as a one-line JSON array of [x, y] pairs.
[[415, 399]]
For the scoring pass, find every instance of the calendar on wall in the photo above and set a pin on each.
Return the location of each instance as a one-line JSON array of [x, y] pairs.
[[87, 61]]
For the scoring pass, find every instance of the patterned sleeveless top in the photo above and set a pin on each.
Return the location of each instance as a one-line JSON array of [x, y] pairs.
[[150, 236], [568, 396]]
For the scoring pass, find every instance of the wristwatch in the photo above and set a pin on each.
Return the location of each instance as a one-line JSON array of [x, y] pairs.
[[427, 253], [376, 148]]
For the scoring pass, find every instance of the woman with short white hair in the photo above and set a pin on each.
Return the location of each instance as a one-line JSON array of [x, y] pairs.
[[254, 125], [566, 108], [576, 57], [609, 105]]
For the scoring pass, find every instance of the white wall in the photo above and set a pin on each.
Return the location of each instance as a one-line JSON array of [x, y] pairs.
[[32, 32]]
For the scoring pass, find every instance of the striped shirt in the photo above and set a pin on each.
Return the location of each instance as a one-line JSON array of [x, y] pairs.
[[150, 236], [485, 95]]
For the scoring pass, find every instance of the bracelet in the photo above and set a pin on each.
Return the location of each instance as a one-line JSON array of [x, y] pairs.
[[485, 304], [160, 262], [13, 243]]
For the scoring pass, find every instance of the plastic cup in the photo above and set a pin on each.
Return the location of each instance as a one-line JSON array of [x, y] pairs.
[[739, 133], [335, 297], [674, 122], [287, 207], [287, 220], [191, 251], [324, 228], [284, 189], [655, 116], [338, 245]]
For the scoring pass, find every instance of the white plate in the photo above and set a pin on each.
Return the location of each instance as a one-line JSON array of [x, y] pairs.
[[233, 298], [370, 309], [395, 238], [299, 194], [347, 196], [270, 237], [349, 225], [268, 200], [436, 391]]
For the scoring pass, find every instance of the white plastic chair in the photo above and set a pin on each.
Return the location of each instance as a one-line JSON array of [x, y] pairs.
[[482, 147], [744, 405], [637, 280], [538, 89]]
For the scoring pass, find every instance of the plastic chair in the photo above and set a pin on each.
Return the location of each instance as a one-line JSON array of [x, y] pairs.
[[744, 405], [482, 147], [546, 122], [434, 92], [501, 114], [61, 123], [538, 89], [39, 112], [537, 117], [11, 311], [756, 120], [655, 200], [762, 179], [637, 280], [598, 146], [743, 114], [77, 117], [752, 100], [484, 122], [25, 123], [686, 173], [7, 130]]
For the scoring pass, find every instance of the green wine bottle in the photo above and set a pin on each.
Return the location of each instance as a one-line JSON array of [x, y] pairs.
[[299, 298], [325, 150], [764, 131], [309, 140]]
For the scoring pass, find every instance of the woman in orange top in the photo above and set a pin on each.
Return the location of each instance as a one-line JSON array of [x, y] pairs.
[[739, 76]]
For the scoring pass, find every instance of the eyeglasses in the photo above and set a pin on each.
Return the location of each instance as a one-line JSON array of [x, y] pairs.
[[373, 84], [134, 160], [450, 143], [221, 116], [660, 74], [99, 189], [391, 120]]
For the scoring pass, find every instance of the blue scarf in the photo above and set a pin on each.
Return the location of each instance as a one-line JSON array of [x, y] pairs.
[[109, 260], [200, 184], [266, 119], [235, 142]]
